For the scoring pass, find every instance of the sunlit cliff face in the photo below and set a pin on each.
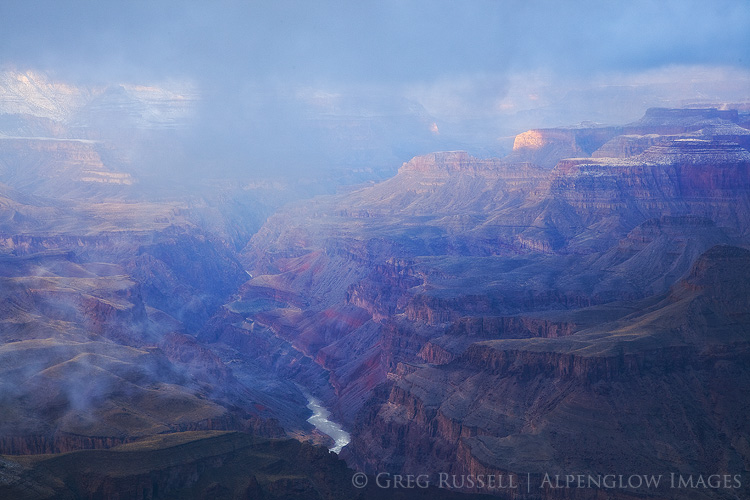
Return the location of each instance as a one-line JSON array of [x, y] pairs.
[[531, 139], [536, 139]]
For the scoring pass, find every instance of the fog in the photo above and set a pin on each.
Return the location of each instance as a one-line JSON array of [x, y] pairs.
[[286, 89]]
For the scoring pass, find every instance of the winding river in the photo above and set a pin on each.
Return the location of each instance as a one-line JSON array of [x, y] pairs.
[[320, 421]]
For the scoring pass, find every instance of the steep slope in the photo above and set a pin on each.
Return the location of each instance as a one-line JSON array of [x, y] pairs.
[[414, 295], [684, 177], [646, 392], [452, 235], [546, 147], [105, 283], [197, 465], [470, 315], [60, 168], [88, 361], [98, 303]]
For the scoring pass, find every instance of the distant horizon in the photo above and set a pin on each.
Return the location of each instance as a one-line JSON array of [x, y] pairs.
[[291, 87], [158, 99]]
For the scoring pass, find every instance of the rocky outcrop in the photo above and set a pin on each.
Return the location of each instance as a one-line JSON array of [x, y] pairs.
[[584, 401], [685, 177], [49, 167], [726, 132], [434, 354], [382, 292], [510, 327], [717, 276], [545, 147], [435, 310], [625, 146], [186, 275], [679, 121], [455, 247], [528, 364], [658, 252], [201, 362], [450, 162], [61, 443]]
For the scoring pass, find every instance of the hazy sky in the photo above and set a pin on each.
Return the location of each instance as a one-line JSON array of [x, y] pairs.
[[388, 42], [469, 66]]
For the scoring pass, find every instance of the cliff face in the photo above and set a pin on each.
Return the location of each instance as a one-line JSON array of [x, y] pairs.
[[522, 405], [677, 121], [96, 302], [624, 146], [49, 167], [450, 162], [545, 147], [468, 315], [685, 177], [481, 315]]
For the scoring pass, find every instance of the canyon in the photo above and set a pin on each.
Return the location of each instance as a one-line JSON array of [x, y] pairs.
[[579, 305], [470, 313]]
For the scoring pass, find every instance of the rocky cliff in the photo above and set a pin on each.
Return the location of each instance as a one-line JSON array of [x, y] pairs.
[[684, 177], [468, 315], [545, 147], [478, 315], [97, 306], [60, 168], [530, 404]]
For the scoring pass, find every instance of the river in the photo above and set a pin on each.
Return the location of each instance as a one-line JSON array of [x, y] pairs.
[[330, 428]]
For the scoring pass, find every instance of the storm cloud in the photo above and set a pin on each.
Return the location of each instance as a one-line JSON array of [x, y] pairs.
[[474, 71], [391, 41]]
